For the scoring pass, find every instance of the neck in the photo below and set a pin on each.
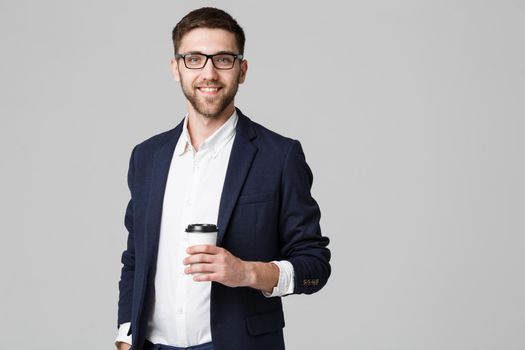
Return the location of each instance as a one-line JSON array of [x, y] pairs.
[[201, 127]]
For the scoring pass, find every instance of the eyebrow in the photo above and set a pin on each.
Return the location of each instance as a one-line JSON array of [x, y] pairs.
[[217, 53]]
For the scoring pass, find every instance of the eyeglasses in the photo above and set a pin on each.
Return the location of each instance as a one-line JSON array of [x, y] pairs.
[[220, 60]]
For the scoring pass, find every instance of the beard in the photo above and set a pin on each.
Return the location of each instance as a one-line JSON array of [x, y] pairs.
[[210, 106]]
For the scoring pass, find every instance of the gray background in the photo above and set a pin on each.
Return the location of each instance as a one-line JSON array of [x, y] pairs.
[[411, 115]]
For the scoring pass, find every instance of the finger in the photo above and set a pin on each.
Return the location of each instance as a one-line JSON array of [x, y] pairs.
[[205, 248], [206, 277], [198, 258], [200, 268]]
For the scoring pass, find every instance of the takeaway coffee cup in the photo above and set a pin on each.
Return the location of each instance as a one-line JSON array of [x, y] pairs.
[[201, 234]]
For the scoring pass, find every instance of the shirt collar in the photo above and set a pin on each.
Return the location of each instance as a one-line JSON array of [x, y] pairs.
[[214, 142]]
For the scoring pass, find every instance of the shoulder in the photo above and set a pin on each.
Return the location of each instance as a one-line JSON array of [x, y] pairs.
[[150, 145], [269, 141], [268, 135], [156, 141]]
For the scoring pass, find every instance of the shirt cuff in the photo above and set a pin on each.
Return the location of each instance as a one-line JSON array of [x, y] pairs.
[[122, 335], [285, 285]]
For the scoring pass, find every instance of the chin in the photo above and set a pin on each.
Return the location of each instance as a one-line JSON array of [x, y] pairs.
[[210, 114], [208, 111]]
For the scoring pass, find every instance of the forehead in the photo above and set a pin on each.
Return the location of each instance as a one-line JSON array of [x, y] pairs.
[[208, 41]]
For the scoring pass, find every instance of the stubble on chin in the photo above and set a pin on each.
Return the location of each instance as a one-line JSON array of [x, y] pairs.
[[208, 106]]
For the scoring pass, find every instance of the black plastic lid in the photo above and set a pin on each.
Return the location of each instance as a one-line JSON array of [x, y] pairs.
[[201, 228]]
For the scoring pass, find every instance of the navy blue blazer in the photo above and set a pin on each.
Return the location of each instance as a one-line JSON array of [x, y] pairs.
[[266, 213]]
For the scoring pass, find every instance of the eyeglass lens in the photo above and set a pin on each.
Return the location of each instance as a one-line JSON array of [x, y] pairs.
[[223, 61]]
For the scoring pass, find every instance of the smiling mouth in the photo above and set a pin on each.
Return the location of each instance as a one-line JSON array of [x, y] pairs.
[[209, 89]]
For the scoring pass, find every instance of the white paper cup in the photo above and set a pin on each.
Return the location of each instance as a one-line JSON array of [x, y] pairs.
[[199, 234]]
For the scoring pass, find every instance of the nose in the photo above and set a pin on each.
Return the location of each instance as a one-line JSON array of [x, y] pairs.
[[209, 72]]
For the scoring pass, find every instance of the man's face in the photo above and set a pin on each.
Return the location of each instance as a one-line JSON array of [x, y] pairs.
[[209, 91]]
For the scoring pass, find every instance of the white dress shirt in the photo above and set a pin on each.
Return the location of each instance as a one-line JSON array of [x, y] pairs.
[[181, 307]]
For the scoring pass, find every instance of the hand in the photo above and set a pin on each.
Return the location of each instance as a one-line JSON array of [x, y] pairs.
[[123, 346], [218, 265]]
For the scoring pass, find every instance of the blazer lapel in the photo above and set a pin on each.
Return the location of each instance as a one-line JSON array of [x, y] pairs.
[[241, 158]]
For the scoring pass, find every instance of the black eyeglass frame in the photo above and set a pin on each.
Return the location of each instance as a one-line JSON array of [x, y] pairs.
[[235, 58]]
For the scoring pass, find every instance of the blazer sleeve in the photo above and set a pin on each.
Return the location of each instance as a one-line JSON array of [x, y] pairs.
[[127, 274], [303, 244]]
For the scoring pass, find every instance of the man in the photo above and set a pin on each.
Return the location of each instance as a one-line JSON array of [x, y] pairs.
[[216, 167]]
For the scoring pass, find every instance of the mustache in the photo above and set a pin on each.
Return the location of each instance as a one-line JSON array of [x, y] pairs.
[[208, 83]]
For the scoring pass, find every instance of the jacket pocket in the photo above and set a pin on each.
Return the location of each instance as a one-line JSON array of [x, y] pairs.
[[255, 198], [265, 323]]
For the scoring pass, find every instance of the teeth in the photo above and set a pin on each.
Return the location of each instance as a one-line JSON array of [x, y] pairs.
[[208, 89]]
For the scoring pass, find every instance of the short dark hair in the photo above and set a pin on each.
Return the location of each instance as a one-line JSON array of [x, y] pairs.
[[208, 17]]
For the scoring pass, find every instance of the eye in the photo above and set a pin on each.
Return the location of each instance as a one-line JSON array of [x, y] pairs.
[[193, 59], [224, 59]]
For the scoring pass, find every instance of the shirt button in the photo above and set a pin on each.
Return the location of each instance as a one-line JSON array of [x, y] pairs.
[[180, 311]]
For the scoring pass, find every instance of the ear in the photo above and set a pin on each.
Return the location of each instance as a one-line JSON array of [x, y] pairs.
[[244, 69], [175, 69]]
